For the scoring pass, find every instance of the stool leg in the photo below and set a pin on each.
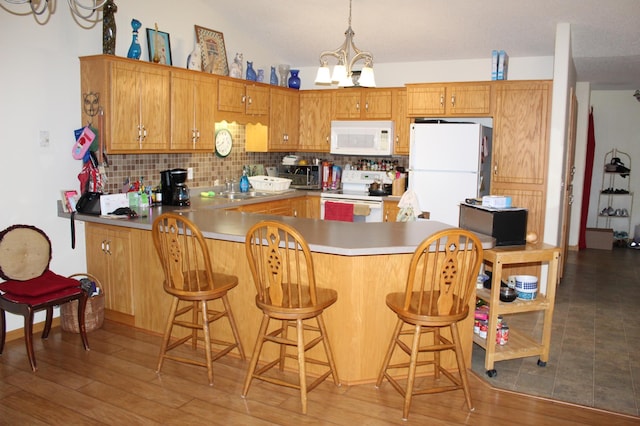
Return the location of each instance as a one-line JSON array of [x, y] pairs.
[[415, 346], [167, 333], [436, 354], [387, 358], [327, 349], [234, 327], [461, 366], [301, 365], [256, 354], [283, 348], [207, 340]]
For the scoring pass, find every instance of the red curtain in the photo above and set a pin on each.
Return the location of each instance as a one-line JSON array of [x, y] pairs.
[[586, 188]]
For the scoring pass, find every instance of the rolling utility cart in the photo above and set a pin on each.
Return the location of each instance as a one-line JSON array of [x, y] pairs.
[[520, 345]]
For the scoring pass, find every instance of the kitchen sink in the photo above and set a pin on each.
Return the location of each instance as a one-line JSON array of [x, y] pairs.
[[242, 195]]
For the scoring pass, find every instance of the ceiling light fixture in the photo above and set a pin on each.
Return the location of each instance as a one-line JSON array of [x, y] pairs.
[[82, 9], [343, 70]]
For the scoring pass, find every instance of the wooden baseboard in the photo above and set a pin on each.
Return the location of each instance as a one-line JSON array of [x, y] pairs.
[[37, 328]]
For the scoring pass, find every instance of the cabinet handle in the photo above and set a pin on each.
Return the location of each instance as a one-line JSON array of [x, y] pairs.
[[358, 106], [495, 169], [441, 100], [453, 100], [366, 106], [249, 100], [103, 246]]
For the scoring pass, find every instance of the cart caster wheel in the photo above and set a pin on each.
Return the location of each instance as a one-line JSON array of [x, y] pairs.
[[492, 373], [542, 363]]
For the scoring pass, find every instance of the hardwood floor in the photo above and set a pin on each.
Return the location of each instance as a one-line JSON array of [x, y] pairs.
[[115, 383]]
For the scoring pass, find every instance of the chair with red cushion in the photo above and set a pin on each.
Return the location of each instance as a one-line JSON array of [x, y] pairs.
[[25, 253]]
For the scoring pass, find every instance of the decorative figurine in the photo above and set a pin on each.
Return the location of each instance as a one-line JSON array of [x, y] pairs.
[[260, 78], [109, 28], [235, 70], [135, 50], [251, 73]]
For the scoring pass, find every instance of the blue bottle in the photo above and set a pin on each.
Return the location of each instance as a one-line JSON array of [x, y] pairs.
[[274, 77], [244, 182], [294, 80], [135, 50]]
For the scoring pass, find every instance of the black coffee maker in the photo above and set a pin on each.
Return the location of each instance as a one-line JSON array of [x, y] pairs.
[[174, 190]]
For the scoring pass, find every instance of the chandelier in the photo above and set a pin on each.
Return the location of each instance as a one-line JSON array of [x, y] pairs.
[[343, 71], [82, 9]]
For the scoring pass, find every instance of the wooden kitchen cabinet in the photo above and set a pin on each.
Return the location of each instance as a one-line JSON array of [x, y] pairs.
[[390, 211], [284, 120], [278, 207], [313, 207], [362, 104], [449, 99], [192, 112], [108, 252], [520, 147], [520, 344], [242, 102], [315, 121], [134, 97], [401, 122]]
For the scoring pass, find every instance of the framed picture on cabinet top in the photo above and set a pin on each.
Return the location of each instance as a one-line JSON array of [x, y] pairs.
[[159, 46], [214, 53]]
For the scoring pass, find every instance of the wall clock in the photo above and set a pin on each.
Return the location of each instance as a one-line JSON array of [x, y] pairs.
[[224, 142]]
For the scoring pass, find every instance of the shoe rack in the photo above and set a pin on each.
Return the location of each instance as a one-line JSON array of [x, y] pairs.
[[616, 198]]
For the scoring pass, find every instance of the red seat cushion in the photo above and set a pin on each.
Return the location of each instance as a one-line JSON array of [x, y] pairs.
[[47, 283], [42, 299]]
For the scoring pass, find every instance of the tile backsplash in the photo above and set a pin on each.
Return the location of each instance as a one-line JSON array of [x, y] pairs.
[[206, 166]]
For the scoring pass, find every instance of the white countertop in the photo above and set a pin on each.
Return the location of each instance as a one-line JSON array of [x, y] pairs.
[[332, 237]]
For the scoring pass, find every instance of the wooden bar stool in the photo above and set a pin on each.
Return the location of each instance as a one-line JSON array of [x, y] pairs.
[[442, 275], [190, 279], [282, 269]]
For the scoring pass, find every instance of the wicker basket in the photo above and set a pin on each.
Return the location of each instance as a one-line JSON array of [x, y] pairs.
[[93, 313]]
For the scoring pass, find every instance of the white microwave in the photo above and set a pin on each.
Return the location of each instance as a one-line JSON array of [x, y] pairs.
[[361, 137]]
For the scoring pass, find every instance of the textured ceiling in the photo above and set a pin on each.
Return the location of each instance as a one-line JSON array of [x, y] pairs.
[[605, 34]]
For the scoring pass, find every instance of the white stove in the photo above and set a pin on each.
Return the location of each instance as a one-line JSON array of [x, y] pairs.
[[355, 191]]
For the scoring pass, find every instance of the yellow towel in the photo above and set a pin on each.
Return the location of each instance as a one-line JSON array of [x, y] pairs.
[[361, 210]]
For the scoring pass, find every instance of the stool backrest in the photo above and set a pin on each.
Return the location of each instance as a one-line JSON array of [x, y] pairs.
[[183, 253], [442, 275], [281, 265]]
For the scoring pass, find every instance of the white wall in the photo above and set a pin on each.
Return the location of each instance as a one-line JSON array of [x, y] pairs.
[[583, 94], [617, 125], [40, 87]]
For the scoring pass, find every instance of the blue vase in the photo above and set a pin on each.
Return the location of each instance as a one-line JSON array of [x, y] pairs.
[[274, 77], [294, 80], [135, 50], [251, 73]]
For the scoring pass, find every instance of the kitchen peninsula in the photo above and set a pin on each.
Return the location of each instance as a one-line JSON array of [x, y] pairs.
[[361, 261]]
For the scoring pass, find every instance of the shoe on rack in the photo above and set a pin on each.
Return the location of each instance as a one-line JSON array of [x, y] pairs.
[[634, 244]]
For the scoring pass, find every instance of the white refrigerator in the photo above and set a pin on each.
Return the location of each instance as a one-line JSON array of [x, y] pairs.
[[449, 162]]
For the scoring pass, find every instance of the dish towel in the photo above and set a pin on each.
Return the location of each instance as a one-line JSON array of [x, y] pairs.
[[409, 207], [338, 211]]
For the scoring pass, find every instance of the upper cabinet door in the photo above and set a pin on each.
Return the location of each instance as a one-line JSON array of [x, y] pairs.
[[139, 108], [362, 104], [521, 132], [451, 99], [192, 112]]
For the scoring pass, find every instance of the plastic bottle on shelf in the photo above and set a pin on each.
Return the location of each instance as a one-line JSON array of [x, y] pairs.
[[244, 182]]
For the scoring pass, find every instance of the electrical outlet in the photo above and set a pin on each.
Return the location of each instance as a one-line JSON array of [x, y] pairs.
[[190, 173], [44, 138]]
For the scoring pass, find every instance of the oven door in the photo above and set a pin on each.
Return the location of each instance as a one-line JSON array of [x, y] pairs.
[[363, 210]]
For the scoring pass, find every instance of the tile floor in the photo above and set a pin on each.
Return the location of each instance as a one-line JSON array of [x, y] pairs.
[[595, 341]]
